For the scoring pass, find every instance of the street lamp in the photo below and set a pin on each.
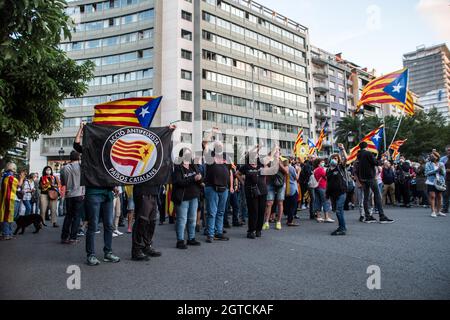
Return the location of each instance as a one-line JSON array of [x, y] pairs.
[[350, 138]]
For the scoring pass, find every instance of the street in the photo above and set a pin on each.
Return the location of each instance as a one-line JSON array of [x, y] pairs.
[[295, 263]]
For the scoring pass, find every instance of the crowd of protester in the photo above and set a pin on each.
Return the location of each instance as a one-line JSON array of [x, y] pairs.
[[261, 193]]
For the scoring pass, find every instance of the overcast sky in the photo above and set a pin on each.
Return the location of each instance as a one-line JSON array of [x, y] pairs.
[[373, 34]]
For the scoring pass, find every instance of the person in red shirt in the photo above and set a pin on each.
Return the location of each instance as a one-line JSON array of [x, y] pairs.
[[321, 203]]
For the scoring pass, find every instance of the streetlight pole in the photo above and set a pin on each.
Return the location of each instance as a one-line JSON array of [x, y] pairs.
[[253, 101]]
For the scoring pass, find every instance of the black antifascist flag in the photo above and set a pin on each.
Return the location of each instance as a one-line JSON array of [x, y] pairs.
[[115, 156]]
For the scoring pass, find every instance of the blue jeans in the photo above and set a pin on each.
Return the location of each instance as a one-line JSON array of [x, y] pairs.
[[186, 212], [321, 201], [340, 201], [243, 207], [233, 205], [28, 206], [17, 205], [99, 206], [215, 207], [7, 229]]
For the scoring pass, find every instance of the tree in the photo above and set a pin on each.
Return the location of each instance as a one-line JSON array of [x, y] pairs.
[[35, 75], [423, 131]]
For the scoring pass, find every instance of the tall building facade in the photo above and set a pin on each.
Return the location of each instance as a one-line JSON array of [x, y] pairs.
[[430, 77], [235, 65], [120, 37]]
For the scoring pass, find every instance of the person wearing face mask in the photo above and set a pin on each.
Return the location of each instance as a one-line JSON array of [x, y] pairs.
[[187, 180], [337, 188], [48, 182], [320, 199], [70, 178], [434, 170]]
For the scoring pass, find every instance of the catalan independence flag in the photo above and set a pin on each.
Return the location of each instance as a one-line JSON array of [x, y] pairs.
[[408, 107], [131, 153], [8, 190], [391, 88], [322, 136], [130, 112], [373, 140], [298, 142], [397, 144]]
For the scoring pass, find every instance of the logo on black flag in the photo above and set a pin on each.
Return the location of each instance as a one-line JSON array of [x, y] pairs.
[[132, 155]]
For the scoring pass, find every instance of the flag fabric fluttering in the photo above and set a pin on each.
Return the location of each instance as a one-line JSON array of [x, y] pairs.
[[373, 140], [298, 142], [408, 106], [130, 112], [391, 88], [322, 137], [395, 147], [312, 146]]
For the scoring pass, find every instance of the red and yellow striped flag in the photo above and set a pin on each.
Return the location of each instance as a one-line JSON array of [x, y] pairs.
[[120, 112], [131, 153], [408, 107], [8, 190], [370, 145], [397, 144], [298, 143], [375, 91]]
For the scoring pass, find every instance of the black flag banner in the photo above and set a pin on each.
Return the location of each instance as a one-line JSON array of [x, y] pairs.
[[115, 156]]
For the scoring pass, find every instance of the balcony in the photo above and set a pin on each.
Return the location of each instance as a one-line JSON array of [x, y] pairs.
[[322, 102], [321, 87], [322, 115], [319, 60], [320, 75]]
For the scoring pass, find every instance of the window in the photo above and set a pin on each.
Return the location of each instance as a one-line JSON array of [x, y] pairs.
[[186, 116], [186, 75], [332, 85], [342, 114], [186, 34], [340, 75], [186, 15], [333, 112], [341, 88], [185, 54], [332, 98], [341, 101], [186, 95]]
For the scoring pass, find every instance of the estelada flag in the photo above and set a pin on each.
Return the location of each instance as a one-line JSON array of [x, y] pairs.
[[115, 156], [130, 112]]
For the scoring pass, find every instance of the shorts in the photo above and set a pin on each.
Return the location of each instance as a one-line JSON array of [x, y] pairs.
[[276, 194], [130, 204], [431, 188]]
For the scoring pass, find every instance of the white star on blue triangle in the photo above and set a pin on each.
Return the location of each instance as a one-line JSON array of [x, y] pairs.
[[398, 88], [376, 139]]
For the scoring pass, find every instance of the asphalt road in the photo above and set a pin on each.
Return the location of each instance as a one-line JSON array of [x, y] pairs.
[[295, 263]]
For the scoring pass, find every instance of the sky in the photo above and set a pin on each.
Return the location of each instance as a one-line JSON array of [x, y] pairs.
[[373, 34]]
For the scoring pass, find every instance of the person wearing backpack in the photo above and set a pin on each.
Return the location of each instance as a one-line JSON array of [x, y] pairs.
[[337, 185], [321, 202], [276, 189], [435, 173]]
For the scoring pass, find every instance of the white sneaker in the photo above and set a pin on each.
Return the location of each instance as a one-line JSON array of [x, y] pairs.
[[433, 215], [303, 207], [329, 220], [319, 219], [118, 232], [115, 235], [441, 214]]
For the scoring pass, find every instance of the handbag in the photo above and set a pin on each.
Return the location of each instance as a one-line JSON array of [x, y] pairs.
[[53, 194], [313, 183], [20, 194], [439, 183], [254, 191], [278, 180]]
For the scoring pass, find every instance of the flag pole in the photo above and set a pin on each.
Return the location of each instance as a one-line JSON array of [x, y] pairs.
[[398, 127]]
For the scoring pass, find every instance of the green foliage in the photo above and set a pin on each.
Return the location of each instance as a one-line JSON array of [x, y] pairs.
[[423, 131], [35, 75]]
